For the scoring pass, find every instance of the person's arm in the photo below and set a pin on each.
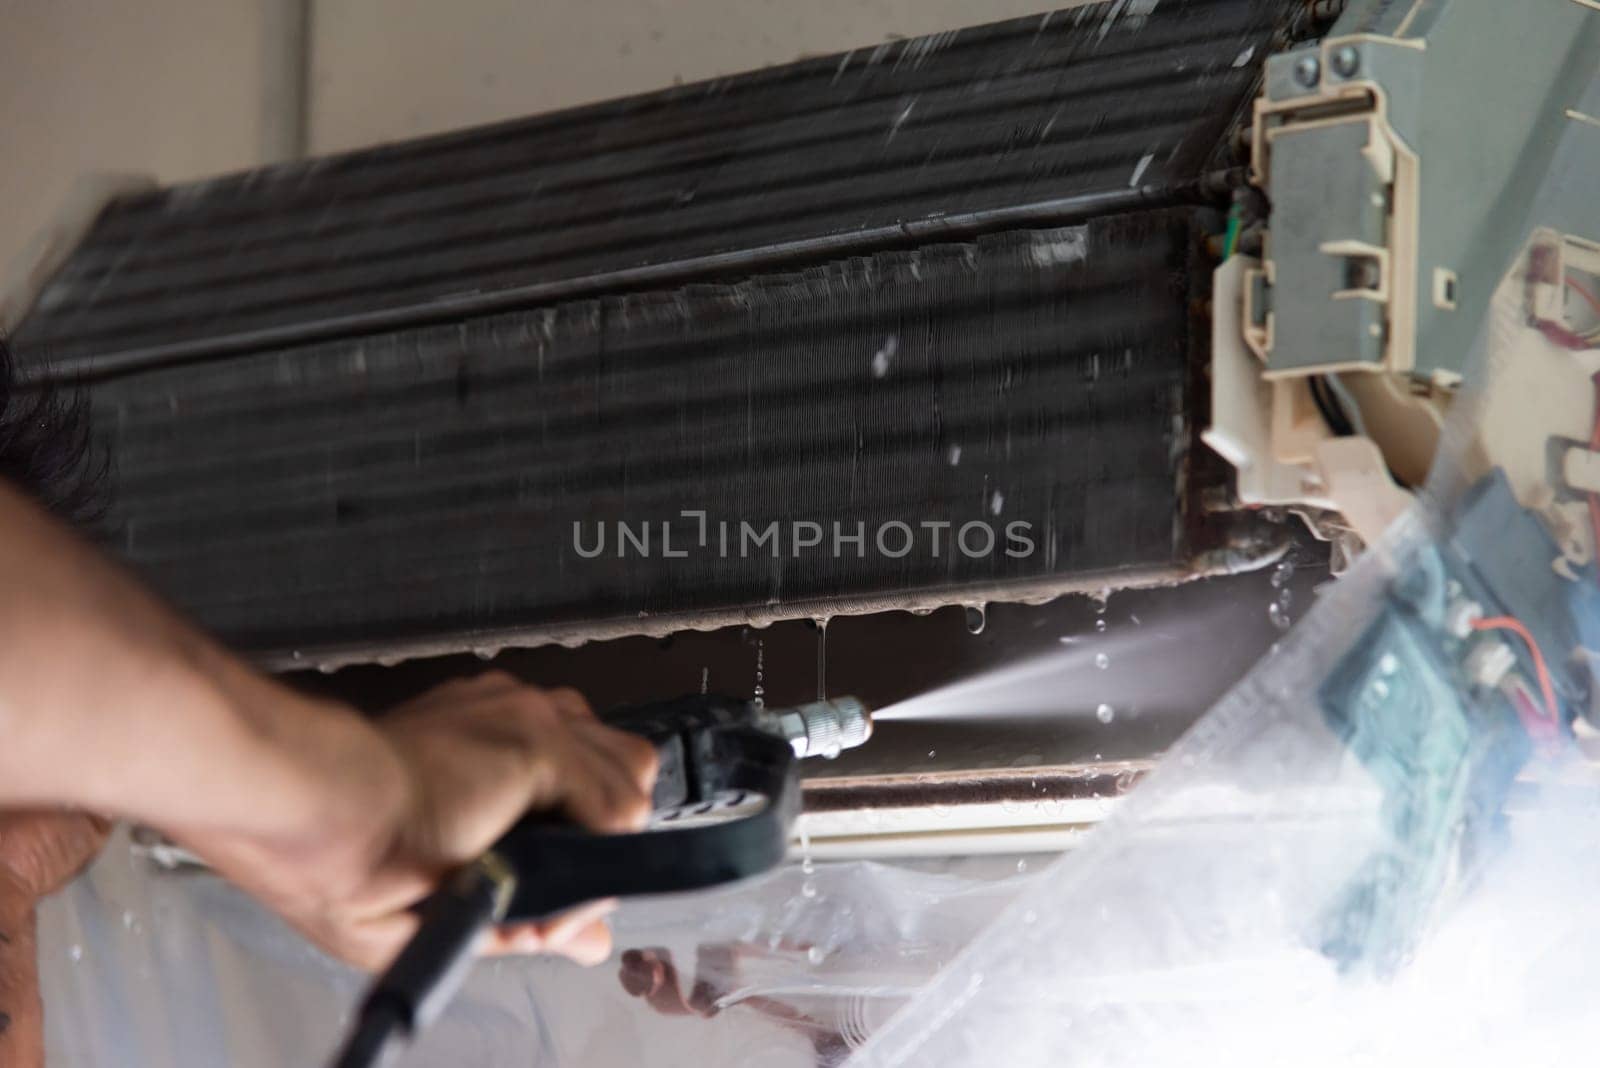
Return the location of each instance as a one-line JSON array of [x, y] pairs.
[[112, 703]]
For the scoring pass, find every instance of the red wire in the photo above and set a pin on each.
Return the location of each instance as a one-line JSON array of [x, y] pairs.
[[1594, 499], [1594, 527], [1564, 338], [1539, 729], [1515, 626], [1594, 433], [1583, 291]]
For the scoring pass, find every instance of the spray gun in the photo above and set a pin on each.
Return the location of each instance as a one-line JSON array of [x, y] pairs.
[[723, 805]]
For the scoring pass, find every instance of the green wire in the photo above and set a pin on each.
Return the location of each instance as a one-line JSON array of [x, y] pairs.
[[1230, 244]]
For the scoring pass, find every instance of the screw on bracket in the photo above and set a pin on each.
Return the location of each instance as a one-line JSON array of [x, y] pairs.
[[1308, 70], [1347, 61]]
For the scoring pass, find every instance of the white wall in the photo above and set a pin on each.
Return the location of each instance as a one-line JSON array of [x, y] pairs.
[[172, 88], [184, 88], [387, 69]]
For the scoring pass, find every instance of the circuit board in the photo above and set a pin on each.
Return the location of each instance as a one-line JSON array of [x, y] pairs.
[[1434, 704]]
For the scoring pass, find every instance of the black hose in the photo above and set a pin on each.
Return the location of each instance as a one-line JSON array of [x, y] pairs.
[[1333, 412], [379, 1032], [432, 966]]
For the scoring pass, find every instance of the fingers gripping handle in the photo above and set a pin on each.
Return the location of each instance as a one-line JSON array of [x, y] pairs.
[[724, 806], [724, 802], [433, 965]]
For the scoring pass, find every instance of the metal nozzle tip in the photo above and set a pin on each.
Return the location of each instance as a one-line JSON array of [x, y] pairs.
[[826, 728]]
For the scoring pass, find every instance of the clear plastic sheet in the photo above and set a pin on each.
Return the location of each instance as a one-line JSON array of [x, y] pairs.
[[1192, 943], [1191, 927], [1191, 908], [148, 968]]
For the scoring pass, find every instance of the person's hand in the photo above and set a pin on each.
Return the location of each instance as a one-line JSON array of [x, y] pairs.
[[650, 975], [470, 758], [41, 850]]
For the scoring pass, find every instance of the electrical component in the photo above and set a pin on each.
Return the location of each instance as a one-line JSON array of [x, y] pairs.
[[1413, 702], [1551, 707], [1460, 616], [1489, 662], [1431, 700]]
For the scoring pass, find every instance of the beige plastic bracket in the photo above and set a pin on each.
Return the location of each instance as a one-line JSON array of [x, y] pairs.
[[1393, 161], [1273, 435]]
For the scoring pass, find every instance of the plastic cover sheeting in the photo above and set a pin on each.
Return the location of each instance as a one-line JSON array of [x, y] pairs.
[[1192, 927], [147, 968]]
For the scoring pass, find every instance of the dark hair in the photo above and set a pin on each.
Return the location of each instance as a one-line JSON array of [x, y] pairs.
[[47, 449]]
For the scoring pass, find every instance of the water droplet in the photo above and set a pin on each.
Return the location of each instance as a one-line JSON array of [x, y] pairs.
[[297, 655], [760, 700], [1102, 661], [815, 955], [127, 919], [882, 358], [1030, 917], [997, 503], [808, 889], [75, 951], [487, 652], [1105, 713], [955, 455], [1100, 625], [1380, 689], [1388, 664], [1022, 866], [1282, 574], [822, 658], [977, 619], [705, 680], [808, 865], [1285, 598], [831, 753], [1279, 616], [933, 752]]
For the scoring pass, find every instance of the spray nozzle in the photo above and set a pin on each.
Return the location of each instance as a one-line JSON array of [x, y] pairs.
[[823, 728]]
